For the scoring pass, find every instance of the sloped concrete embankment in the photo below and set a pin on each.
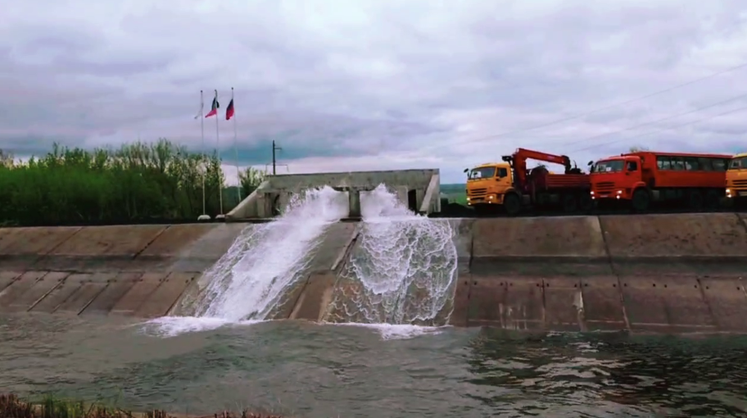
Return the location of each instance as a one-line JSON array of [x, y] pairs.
[[137, 271], [657, 273], [661, 273]]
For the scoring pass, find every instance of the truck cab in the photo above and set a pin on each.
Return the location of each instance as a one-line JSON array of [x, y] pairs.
[[618, 179], [487, 185], [736, 179]]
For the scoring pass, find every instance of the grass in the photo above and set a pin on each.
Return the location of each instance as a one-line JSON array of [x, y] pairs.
[[50, 407], [455, 192], [136, 183]]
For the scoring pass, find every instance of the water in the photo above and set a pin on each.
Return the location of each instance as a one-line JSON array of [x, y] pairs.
[[406, 266], [327, 371], [392, 358], [265, 260]]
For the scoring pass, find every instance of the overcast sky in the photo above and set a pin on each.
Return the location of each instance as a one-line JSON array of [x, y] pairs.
[[379, 84]]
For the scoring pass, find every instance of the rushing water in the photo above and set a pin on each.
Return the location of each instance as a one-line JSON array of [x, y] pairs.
[[310, 370], [265, 260]]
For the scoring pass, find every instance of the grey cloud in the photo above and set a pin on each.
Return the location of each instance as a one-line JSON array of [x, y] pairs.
[[334, 80]]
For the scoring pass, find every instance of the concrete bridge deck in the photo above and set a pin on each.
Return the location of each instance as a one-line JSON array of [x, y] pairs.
[[662, 273]]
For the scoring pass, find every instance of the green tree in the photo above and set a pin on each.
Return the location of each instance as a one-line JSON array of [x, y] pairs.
[[6, 159], [135, 183], [250, 179]]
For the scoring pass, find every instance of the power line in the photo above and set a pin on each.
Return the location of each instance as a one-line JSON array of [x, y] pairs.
[[665, 128], [555, 122], [667, 90], [676, 115]]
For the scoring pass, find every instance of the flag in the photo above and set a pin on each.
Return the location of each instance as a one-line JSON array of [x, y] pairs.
[[229, 110], [202, 106], [214, 107]]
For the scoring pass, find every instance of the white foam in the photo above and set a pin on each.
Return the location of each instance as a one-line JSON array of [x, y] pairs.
[[248, 281], [400, 252], [406, 263], [396, 331], [172, 326]]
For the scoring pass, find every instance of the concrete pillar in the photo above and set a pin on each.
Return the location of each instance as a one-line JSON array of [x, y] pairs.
[[402, 194], [266, 207], [354, 203]]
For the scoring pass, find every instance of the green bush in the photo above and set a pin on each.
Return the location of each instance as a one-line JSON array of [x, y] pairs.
[[137, 183]]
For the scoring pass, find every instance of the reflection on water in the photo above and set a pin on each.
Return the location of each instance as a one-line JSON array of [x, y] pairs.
[[329, 371]]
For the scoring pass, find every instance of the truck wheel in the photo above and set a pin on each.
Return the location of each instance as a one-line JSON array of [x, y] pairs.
[[712, 200], [480, 211], [585, 203], [570, 204], [641, 200], [696, 200], [512, 204]]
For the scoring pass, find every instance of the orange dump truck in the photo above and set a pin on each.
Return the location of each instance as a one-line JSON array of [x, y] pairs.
[[640, 179], [736, 180], [511, 186]]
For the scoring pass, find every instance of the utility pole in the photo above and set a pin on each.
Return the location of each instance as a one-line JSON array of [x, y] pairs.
[[274, 161]]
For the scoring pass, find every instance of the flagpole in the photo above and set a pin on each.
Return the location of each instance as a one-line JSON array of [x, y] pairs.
[[220, 185], [235, 147], [204, 216]]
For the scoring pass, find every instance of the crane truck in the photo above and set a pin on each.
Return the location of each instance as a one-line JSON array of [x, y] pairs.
[[639, 180], [736, 180], [509, 185]]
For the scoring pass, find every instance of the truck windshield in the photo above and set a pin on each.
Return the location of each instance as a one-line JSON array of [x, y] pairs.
[[481, 173], [738, 163], [611, 166]]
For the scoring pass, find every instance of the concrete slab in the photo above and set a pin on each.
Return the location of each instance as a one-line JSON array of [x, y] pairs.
[[563, 304], [344, 306], [35, 241], [603, 308], [727, 299], [18, 287], [165, 296], [85, 294], [176, 238], [317, 295], [562, 237], [138, 294], [458, 316], [512, 303], [714, 235], [60, 293], [5, 234], [463, 232], [117, 240], [333, 247], [289, 300], [47, 281], [114, 291], [206, 250], [666, 304], [7, 277]]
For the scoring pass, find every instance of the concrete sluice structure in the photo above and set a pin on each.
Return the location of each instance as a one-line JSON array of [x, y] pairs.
[[649, 273], [420, 189]]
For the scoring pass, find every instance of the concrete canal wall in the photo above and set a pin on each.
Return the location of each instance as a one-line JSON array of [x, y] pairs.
[[661, 273]]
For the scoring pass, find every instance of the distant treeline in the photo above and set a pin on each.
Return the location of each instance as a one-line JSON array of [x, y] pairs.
[[137, 183]]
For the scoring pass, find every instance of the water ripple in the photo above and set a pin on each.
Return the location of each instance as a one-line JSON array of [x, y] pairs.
[[327, 370]]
